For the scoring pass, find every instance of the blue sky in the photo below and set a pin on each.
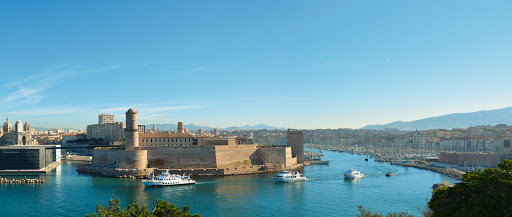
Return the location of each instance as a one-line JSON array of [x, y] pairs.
[[299, 64]]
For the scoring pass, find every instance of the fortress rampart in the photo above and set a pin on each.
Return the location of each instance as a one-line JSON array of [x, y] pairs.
[[214, 156]]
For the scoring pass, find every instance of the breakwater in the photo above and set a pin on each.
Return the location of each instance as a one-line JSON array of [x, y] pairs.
[[31, 181], [451, 172]]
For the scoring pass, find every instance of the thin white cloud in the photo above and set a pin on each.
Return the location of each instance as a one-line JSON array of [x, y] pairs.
[[30, 89], [46, 111], [27, 93]]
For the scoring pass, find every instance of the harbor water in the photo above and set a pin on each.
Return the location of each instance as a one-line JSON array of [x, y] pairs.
[[325, 193]]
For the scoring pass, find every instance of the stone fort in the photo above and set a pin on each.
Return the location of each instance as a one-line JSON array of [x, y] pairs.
[[181, 152]]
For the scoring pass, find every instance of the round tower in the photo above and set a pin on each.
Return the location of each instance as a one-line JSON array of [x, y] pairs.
[[132, 129]]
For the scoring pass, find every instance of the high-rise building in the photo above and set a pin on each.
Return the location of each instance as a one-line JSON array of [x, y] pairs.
[[106, 129], [142, 128], [200, 131], [216, 132], [106, 119], [295, 140]]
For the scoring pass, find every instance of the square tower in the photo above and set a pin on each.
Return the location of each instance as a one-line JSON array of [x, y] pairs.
[[181, 128], [295, 140]]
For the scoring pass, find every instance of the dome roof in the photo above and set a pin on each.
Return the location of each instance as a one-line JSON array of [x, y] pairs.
[[7, 123], [131, 111]]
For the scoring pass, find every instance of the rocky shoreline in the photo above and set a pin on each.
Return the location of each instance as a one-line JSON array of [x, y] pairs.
[[31, 181], [454, 173], [195, 172]]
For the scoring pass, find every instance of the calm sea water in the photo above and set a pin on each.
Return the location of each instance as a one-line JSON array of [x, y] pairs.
[[326, 193]]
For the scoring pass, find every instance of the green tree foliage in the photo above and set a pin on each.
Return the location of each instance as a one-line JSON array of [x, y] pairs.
[[481, 193], [162, 209], [367, 213]]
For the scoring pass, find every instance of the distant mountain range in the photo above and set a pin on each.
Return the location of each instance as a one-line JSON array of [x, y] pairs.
[[458, 120], [192, 127]]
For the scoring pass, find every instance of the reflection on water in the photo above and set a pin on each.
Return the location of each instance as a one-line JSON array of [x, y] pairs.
[[325, 193]]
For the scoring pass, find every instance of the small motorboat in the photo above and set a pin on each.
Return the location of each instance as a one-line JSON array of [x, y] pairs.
[[390, 174], [366, 159]]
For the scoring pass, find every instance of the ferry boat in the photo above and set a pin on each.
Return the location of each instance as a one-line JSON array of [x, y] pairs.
[[353, 174], [287, 176], [166, 179]]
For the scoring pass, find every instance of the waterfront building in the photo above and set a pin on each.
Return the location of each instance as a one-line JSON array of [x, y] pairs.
[[504, 144], [16, 157]]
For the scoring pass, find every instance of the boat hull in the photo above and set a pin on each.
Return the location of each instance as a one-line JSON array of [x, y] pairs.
[[279, 179], [157, 184], [353, 177]]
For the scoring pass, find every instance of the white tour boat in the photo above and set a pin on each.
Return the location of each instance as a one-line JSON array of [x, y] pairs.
[[166, 179], [287, 176], [353, 174]]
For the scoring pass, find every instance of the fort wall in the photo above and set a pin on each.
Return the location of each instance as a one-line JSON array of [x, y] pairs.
[[178, 157], [277, 157], [122, 159], [234, 156]]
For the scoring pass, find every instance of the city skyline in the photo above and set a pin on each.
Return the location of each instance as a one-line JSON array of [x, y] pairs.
[[301, 65]]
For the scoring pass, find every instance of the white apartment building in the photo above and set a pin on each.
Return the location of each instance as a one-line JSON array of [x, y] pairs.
[[106, 119]]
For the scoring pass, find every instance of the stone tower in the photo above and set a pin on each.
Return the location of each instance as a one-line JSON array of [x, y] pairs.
[[18, 127], [180, 127], [132, 129], [26, 127], [154, 128], [295, 140], [7, 126]]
